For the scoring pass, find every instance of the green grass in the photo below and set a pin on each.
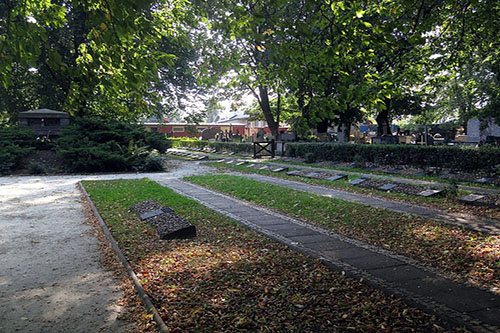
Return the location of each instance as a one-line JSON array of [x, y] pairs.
[[230, 278], [470, 255]]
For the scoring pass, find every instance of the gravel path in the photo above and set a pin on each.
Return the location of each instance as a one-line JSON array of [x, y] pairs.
[[51, 279]]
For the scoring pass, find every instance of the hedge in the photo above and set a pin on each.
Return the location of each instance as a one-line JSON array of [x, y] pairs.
[[236, 147], [455, 158]]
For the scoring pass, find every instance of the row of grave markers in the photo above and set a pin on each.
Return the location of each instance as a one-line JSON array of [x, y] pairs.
[[468, 199]]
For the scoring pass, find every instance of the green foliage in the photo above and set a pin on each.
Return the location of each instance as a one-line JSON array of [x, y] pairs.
[[97, 145], [15, 143], [35, 168], [456, 158]]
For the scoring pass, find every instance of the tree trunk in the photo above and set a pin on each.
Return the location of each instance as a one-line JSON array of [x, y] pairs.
[[384, 125], [266, 109]]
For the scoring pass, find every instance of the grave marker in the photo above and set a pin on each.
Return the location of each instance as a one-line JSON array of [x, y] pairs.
[[337, 177], [470, 198], [279, 169], [387, 187], [293, 173], [429, 193], [313, 175], [241, 163], [358, 181]]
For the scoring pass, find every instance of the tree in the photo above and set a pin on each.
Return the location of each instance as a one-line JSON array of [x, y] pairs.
[[102, 57]]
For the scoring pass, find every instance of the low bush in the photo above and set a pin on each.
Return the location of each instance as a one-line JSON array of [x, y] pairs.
[[455, 158], [15, 143], [236, 147], [97, 145]]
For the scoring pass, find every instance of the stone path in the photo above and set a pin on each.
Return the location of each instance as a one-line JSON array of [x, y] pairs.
[[396, 275], [467, 221]]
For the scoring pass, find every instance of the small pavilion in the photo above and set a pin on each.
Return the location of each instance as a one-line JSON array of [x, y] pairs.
[[44, 122]]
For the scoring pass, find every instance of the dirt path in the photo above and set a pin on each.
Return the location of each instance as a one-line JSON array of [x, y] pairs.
[[51, 279]]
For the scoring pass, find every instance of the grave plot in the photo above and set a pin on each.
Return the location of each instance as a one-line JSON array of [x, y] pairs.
[[491, 200], [385, 185], [168, 224]]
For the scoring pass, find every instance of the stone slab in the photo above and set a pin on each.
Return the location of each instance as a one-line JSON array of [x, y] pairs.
[[429, 193], [387, 187], [313, 175], [374, 261], [293, 173], [399, 273], [151, 214], [470, 198], [350, 251], [484, 180], [489, 316], [265, 167], [279, 169], [251, 165], [230, 162], [337, 177], [453, 295], [220, 161], [358, 181], [204, 157], [241, 163], [289, 230], [315, 238], [231, 153]]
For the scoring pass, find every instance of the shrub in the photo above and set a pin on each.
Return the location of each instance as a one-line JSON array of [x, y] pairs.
[[97, 145], [456, 158], [15, 143], [310, 158], [35, 168]]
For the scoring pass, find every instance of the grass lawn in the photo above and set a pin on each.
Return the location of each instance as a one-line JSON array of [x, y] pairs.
[[440, 202], [230, 278], [465, 254]]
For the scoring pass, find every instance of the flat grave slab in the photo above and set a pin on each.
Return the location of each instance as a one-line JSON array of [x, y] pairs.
[[230, 162], [387, 187], [241, 163], [168, 225], [484, 180], [358, 181], [429, 193], [313, 175], [336, 177], [220, 161], [231, 153], [293, 173], [204, 157], [252, 165], [279, 169], [265, 167], [470, 198]]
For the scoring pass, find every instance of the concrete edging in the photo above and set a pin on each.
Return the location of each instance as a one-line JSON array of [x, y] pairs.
[[148, 304]]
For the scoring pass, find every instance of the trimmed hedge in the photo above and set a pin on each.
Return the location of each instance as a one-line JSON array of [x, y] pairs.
[[236, 147], [455, 158], [15, 143]]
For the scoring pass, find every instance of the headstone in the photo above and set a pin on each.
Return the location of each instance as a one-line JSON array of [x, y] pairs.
[[473, 130], [241, 163], [358, 181], [313, 175], [253, 165], [337, 177], [279, 169], [294, 173], [230, 162], [231, 153], [387, 187], [152, 213], [220, 161], [429, 193], [204, 157], [470, 198], [265, 167]]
